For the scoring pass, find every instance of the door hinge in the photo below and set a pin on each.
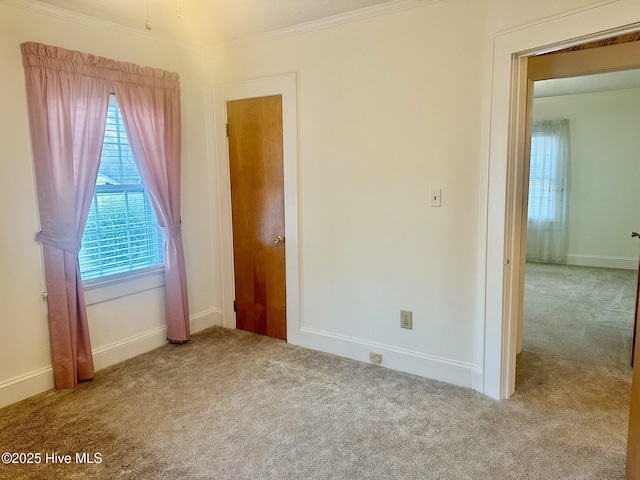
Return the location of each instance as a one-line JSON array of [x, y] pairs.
[[234, 306], [227, 126]]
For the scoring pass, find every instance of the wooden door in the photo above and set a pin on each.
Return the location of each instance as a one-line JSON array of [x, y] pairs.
[[254, 128], [633, 439], [635, 322]]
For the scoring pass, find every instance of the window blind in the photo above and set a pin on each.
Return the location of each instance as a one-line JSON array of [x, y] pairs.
[[121, 233]]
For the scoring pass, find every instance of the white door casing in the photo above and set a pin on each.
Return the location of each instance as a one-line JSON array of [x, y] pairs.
[[284, 85], [505, 186]]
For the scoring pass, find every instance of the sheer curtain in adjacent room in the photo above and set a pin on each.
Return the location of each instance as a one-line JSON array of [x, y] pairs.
[[546, 222]]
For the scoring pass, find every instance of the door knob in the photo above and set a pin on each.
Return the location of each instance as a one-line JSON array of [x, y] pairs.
[[279, 240], [635, 234]]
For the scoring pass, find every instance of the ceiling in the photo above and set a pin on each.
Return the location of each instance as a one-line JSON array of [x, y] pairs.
[[212, 21], [600, 82]]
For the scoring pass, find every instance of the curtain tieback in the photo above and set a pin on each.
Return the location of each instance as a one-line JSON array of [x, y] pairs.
[[71, 245], [171, 231]]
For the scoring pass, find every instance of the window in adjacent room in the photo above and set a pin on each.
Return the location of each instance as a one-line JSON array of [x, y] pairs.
[[121, 234], [546, 225], [547, 171]]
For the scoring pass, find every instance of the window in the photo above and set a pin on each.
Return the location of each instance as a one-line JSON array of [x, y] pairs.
[[546, 232], [121, 234], [547, 171], [544, 147]]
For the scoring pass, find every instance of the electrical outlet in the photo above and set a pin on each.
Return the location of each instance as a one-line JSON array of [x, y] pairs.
[[406, 319], [375, 357]]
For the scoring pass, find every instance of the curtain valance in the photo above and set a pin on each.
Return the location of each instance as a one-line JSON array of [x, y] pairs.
[[38, 55]]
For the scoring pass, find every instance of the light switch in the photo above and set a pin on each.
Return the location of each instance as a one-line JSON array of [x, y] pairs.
[[434, 197]]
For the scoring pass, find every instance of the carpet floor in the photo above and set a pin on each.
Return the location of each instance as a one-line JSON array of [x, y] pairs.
[[232, 405], [583, 313]]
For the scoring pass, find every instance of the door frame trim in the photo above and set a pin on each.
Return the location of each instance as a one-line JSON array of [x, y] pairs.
[[503, 241], [284, 85]]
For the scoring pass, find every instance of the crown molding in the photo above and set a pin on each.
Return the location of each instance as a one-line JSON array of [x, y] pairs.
[[89, 21], [332, 21], [557, 16]]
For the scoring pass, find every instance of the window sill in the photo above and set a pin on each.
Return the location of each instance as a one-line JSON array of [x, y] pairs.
[[121, 285]]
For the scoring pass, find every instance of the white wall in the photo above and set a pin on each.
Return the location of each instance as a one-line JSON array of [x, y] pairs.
[[388, 107], [509, 15], [603, 169], [127, 325]]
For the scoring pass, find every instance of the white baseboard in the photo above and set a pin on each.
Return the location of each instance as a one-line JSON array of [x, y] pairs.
[[129, 347], [25, 386], [601, 261], [203, 320], [41, 380], [417, 363], [477, 379], [138, 344]]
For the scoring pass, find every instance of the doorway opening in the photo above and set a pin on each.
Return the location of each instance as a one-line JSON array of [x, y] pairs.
[[584, 384], [504, 303], [580, 276]]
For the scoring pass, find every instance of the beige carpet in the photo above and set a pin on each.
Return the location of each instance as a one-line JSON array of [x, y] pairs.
[[229, 405], [583, 313]]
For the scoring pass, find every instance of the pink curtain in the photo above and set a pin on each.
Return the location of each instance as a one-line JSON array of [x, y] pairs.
[[150, 104], [68, 97], [67, 114]]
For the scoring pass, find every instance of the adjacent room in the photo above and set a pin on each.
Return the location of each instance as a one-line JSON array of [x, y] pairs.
[[581, 275], [275, 239]]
